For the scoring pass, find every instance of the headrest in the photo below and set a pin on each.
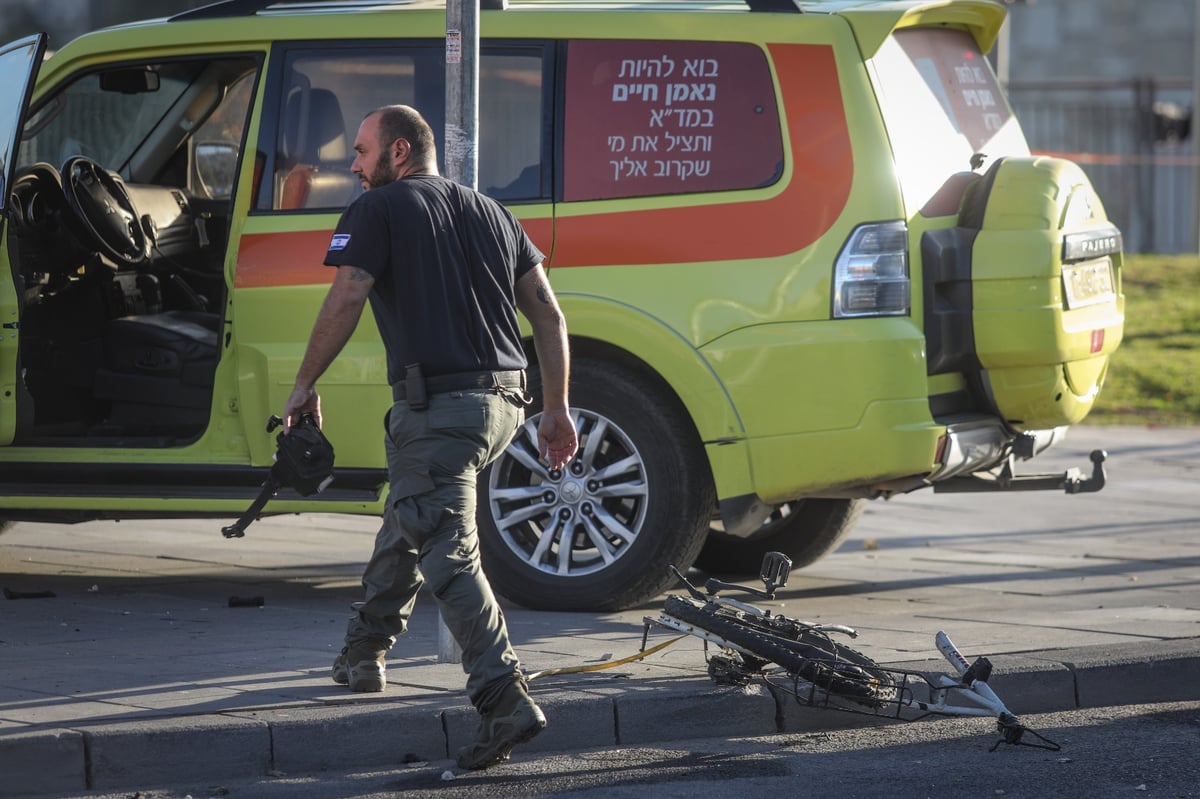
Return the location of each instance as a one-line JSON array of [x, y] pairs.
[[314, 129]]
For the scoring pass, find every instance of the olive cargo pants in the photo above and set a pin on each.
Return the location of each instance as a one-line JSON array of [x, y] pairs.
[[429, 534]]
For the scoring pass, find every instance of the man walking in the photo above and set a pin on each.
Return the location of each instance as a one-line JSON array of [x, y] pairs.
[[445, 270]]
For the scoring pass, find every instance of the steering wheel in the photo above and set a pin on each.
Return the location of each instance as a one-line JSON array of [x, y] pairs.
[[104, 211], [36, 200]]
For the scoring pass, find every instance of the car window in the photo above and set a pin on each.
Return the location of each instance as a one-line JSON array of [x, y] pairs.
[[326, 93], [217, 143], [942, 105], [18, 62], [646, 118]]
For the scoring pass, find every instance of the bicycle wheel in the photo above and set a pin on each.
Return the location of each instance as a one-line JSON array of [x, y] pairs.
[[797, 647]]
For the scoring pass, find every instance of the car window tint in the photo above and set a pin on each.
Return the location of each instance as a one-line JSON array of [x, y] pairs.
[[942, 104], [650, 117], [218, 141], [328, 92]]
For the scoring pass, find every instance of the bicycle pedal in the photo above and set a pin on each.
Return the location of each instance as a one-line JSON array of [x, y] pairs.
[[776, 567], [727, 671]]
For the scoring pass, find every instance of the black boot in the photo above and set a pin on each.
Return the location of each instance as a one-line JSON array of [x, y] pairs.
[[513, 719], [362, 666]]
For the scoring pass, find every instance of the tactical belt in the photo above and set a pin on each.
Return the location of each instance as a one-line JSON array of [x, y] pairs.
[[461, 381]]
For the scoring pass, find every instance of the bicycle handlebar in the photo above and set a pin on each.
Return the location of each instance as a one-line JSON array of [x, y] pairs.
[[712, 585]]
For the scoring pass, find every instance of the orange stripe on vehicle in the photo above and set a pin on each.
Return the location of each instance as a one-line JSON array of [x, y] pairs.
[[283, 259], [1123, 159], [541, 233], [297, 258], [822, 171]]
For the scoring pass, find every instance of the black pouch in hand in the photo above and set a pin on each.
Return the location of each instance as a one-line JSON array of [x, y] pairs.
[[304, 458], [303, 461]]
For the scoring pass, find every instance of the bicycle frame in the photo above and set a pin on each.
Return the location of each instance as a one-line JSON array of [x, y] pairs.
[[914, 695]]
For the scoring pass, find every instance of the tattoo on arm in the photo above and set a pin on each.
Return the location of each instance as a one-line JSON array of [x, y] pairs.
[[358, 275], [543, 292]]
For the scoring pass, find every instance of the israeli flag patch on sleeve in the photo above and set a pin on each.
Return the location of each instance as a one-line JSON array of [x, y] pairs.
[[339, 241]]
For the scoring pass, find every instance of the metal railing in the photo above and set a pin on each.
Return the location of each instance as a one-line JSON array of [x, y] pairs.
[[1121, 134]]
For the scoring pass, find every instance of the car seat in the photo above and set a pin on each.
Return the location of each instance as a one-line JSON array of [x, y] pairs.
[[157, 371], [315, 162]]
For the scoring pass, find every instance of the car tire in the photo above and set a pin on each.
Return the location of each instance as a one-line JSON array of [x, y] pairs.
[[635, 500], [805, 530]]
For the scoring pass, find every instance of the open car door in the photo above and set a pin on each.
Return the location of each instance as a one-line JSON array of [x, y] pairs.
[[19, 62]]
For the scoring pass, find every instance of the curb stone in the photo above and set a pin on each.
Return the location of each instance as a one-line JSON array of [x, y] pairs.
[[615, 713]]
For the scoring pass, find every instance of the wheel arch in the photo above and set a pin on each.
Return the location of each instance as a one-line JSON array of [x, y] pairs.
[[617, 333]]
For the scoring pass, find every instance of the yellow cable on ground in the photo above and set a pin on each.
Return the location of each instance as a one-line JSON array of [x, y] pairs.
[[602, 666]]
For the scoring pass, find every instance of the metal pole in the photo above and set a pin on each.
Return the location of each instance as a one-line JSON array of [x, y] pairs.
[[460, 145], [462, 91]]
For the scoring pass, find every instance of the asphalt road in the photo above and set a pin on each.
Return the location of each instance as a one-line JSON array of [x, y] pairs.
[[1122, 752]]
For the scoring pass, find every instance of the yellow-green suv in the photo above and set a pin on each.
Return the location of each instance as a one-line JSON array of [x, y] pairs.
[[805, 256]]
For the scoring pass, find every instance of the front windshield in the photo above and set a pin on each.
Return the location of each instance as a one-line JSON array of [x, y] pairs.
[[105, 118]]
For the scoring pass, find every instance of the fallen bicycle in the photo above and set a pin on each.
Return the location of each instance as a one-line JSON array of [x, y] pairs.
[[818, 671]]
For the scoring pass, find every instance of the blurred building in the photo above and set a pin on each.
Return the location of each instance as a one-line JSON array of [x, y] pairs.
[[63, 20], [1110, 39], [1110, 84]]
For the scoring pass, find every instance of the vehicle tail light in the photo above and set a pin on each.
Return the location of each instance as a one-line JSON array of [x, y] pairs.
[[870, 277]]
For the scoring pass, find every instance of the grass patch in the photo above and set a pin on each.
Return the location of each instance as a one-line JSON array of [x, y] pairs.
[[1154, 377]]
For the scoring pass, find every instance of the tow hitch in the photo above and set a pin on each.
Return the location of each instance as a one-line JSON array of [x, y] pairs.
[[1071, 481]]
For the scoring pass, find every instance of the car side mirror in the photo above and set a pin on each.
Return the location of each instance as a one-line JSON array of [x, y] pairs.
[[216, 167]]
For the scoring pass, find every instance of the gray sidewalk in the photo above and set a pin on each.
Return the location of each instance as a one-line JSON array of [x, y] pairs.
[[139, 663]]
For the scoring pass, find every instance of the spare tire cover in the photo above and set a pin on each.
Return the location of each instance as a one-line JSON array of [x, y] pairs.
[[1047, 305]]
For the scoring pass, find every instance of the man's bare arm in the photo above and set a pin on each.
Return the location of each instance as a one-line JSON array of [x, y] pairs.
[[333, 327], [536, 300], [557, 439]]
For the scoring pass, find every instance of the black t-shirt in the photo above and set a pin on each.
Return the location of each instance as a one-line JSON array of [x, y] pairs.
[[445, 261]]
